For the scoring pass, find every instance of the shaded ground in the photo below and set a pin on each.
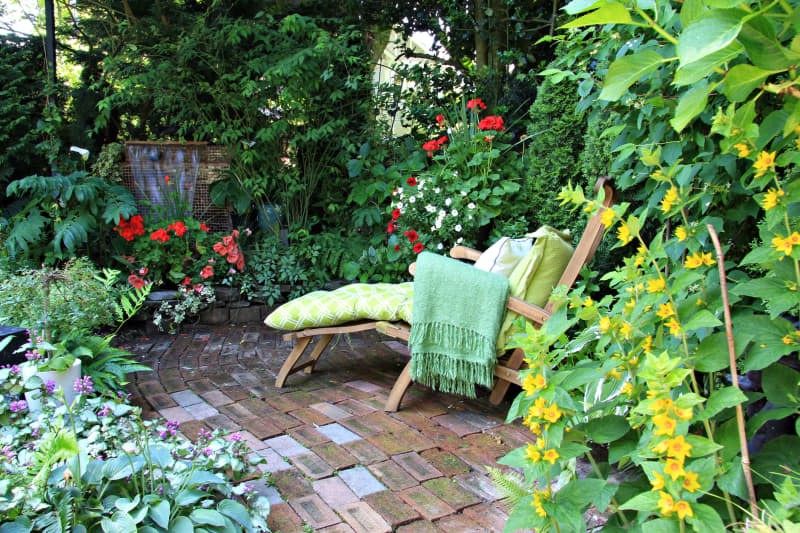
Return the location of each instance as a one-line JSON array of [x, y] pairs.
[[338, 462]]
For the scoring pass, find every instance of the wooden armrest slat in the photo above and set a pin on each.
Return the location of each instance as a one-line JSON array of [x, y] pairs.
[[464, 252]]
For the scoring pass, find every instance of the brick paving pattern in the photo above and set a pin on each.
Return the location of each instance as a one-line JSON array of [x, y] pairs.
[[334, 461]]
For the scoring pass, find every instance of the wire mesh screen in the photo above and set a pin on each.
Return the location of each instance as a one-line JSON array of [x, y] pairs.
[[192, 167]]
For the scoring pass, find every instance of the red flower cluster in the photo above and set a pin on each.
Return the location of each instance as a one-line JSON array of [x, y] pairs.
[[159, 235], [204, 227], [129, 229], [432, 146], [491, 123], [440, 120], [418, 247], [412, 181], [395, 214], [228, 247], [178, 227], [390, 227], [476, 104], [136, 281], [412, 235], [207, 272]]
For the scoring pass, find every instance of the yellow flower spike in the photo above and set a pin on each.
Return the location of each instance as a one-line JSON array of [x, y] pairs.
[[665, 503], [588, 302], [681, 234], [607, 218], [664, 425], [662, 405], [684, 414], [670, 199], [550, 455], [630, 304], [656, 285], [604, 324], [797, 143], [533, 383], [744, 150], [658, 482], [589, 207], [674, 327], [532, 453], [627, 389], [665, 310], [683, 509], [540, 443], [661, 447], [765, 162], [674, 469], [625, 329], [678, 448], [648, 343], [624, 234], [787, 340], [615, 373], [771, 198], [690, 481], [708, 260]]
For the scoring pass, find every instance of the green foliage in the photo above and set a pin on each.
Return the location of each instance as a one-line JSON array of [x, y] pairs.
[[96, 465], [21, 88], [64, 214], [557, 130], [77, 299]]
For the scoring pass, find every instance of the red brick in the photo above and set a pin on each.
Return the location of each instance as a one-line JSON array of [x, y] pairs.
[[291, 484], [308, 436], [314, 512], [311, 416], [335, 455], [488, 516], [444, 461], [391, 508], [428, 505], [458, 523], [420, 526], [282, 518]]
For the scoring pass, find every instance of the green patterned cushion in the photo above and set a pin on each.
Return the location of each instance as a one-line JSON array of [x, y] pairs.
[[359, 301]]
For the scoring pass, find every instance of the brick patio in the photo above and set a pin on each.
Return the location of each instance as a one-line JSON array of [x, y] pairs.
[[337, 461]]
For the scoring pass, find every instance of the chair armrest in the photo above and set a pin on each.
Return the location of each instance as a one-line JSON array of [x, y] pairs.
[[528, 310], [464, 252]]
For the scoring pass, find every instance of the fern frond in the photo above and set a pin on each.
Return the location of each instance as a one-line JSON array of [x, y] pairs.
[[512, 486]]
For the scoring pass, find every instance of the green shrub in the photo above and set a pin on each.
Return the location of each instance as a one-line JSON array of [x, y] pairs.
[[558, 140], [76, 300]]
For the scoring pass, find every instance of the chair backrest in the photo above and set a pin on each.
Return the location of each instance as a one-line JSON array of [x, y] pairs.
[[590, 240]]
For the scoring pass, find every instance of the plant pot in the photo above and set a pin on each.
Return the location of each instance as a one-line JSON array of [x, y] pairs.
[[64, 380]]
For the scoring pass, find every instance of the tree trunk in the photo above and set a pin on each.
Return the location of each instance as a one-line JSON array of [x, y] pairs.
[[481, 34]]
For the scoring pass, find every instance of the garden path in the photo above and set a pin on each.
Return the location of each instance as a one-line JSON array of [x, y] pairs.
[[338, 462]]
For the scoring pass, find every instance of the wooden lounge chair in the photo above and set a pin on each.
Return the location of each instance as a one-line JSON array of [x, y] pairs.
[[507, 368]]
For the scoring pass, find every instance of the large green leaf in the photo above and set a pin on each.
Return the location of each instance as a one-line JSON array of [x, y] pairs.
[[780, 384], [610, 13], [720, 400], [579, 6], [711, 355], [607, 429], [759, 38], [626, 70], [768, 335], [708, 33], [208, 517], [237, 512], [692, 103], [741, 80], [773, 291], [702, 319], [690, 10], [698, 70]]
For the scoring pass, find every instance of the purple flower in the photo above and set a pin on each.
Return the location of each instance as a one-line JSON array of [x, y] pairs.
[[172, 429], [208, 452], [33, 355], [234, 437], [7, 453], [104, 411], [18, 407], [247, 488], [14, 369], [84, 385], [49, 387], [35, 433], [203, 435]]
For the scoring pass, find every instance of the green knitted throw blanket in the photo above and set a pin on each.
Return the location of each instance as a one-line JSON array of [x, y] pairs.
[[456, 318]]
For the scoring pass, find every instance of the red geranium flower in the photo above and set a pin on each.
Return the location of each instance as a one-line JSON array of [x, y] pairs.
[[396, 247], [159, 235], [186, 281], [430, 147], [491, 123], [475, 104], [166, 179], [207, 272], [143, 271], [129, 229], [396, 214], [178, 227], [489, 138], [412, 235], [205, 228], [136, 281], [441, 141], [418, 247], [440, 120], [412, 181], [220, 248], [390, 227]]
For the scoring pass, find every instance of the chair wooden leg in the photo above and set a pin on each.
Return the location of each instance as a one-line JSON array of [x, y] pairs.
[[501, 386], [322, 343], [288, 366], [399, 389]]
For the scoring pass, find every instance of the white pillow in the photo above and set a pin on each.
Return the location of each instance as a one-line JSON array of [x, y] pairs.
[[503, 256]]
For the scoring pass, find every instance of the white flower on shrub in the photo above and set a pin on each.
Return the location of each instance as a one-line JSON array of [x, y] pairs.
[[412, 199], [459, 240], [442, 214], [471, 205], [437, 190], [463, 193], [448, 202], [439, 246], [83, 152], [438, 224], [429, 208], [399, 205], [454, 212], [458, 227]]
